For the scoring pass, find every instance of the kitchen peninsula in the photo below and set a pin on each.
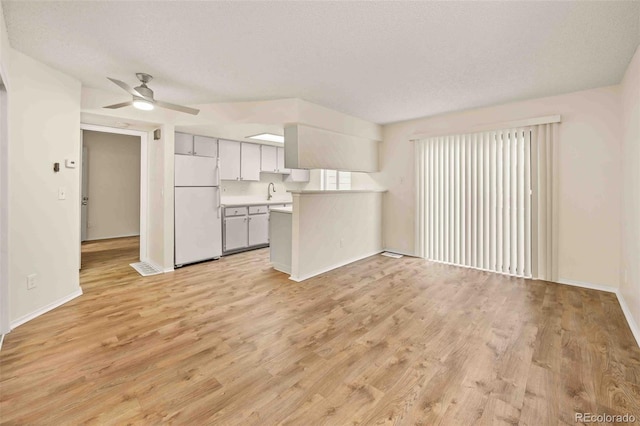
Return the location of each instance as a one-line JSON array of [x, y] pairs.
[[318, 242]]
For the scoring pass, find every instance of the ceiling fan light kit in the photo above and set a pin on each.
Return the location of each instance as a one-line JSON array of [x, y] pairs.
[[142, 104], [143, 97]]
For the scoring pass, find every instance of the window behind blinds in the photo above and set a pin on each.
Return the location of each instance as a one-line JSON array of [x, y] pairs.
[[474, 200], [332, 179]]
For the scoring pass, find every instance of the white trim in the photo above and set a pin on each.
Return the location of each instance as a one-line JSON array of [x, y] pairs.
[[281, 267], [599, 287], [635, 330], [404, 253], [331, 268], [115, 236], [28, 317], [4, 207], [1, 340], [144, 172], [534, 121]]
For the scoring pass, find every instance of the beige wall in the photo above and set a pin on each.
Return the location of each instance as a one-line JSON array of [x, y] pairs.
[[630, 287], [113, 184], [44, 232], [589, 180], [332, 229]]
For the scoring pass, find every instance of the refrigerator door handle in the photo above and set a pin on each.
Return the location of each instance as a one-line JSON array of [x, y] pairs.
[[219, 188]]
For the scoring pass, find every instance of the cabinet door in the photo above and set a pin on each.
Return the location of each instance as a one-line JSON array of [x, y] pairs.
[[250, 162], [281, 168], [258, 229], [205, 147], [298, 175], [235, 233], [183, 143], [229, 160], [268, 159]]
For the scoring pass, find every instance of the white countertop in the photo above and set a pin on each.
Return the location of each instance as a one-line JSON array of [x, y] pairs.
[[252, 201], [288, 210], [334, 191]]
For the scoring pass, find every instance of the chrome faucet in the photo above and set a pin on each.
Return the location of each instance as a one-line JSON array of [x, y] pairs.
[[269, 195]]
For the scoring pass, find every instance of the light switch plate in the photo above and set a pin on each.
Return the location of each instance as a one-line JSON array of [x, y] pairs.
[[62, 193]]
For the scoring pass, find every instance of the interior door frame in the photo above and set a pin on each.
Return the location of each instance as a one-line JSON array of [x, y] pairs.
[[4, 209], [144, 172]]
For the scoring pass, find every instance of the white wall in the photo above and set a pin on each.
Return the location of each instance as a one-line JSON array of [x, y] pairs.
[[332, 229], [630, 287], [113, 184], [4, 187], [44, 232], [160, 250], [589, 180], [232, 189]]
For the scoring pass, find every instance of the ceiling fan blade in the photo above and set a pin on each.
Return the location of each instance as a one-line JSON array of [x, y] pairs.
[[120, 105], [177, 107], [127, 88]]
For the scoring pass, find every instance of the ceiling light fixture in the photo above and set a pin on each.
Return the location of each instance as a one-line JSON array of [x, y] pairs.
[[143, 104], [269, 137]]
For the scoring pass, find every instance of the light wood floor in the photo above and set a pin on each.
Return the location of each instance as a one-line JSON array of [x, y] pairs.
[[378, 341]]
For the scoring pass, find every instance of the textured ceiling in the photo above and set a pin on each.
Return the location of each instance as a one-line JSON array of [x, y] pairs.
[[381, 61]]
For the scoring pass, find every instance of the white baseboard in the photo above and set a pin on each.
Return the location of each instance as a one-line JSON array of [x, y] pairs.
[[633, 325], [28, 317], [113, 236], [600, 287], [404, 253], [281, 267], [332, 267]]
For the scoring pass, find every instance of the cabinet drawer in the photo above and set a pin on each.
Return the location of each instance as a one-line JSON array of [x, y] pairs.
[[235, 211], [258, 209]]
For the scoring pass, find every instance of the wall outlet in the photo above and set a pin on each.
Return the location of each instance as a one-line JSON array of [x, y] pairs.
[[31, 281]]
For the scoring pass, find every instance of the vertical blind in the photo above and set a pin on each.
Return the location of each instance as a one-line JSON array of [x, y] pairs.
[[475, 193], [485, 200]]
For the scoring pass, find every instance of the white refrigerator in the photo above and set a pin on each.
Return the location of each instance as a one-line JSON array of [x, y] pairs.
[[198, 229]]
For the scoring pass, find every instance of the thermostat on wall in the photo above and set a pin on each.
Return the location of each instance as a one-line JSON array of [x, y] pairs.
[[70, 164]]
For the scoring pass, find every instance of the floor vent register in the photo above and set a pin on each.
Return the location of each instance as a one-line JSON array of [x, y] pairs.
[[145, 269]]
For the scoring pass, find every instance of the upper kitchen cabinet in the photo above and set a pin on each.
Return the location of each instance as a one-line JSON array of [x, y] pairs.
[[268, 159], [239, 160], [229, 152], [272, 160], [183, 143], [205, 147], [249, 161]]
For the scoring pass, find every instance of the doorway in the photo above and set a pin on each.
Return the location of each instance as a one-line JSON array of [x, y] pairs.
[[85, 181]]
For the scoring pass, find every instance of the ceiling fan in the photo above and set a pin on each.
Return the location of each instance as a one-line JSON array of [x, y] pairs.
[[143, 97]]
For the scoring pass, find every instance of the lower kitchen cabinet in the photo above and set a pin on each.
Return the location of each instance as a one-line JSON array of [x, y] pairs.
[[235, 233], [245, 227], [258, 229]]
